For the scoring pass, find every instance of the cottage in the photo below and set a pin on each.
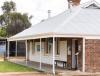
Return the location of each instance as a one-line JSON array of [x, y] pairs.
[[70, 39]]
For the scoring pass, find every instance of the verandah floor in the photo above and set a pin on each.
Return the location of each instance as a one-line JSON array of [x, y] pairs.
[[35, 65], [48, 68]]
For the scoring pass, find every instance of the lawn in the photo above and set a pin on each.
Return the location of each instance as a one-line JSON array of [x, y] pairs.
[[6, 66]]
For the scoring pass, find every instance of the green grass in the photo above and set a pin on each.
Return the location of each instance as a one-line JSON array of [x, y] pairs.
[[6, 66]]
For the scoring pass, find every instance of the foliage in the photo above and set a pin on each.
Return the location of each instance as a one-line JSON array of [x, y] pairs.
[[18, 22], [8, 6], [11, 67], [13, 21], [3, 32]]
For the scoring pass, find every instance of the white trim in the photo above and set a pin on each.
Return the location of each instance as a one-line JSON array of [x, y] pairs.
[[92, 37], [54, 55], [31, 47], [83, 68], [45, 36], [40, 54], [26, 50], [56, 35]]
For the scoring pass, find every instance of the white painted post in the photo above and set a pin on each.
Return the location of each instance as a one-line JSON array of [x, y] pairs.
[[16, 49], [40, 54], [31, 48], [73, 54], [54, 55], [83, 68], [26, 50], [8, 50]]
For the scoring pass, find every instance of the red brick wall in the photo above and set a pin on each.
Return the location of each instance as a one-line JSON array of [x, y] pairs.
[[92, 55]]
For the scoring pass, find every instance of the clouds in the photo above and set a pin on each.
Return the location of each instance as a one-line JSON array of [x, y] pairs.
[[39, 8]]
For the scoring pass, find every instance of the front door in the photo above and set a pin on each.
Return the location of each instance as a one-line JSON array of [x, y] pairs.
[[74, 53]]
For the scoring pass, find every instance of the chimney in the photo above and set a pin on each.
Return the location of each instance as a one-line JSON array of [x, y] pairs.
[[76, 2], [69, 4], [49, 13], [73, 3]]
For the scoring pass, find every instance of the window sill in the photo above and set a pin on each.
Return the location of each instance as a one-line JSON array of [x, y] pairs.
[[57, 55], [46, 54]]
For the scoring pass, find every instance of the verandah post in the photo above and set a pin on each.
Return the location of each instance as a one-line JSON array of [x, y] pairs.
[[8, 56], [54, 55], [83, 68], [16, 49], [26, 50], [40, 54]]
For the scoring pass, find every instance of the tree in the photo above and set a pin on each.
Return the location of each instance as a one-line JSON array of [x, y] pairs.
[[8, 7], [3, 32], [13, 21], [19, 22]]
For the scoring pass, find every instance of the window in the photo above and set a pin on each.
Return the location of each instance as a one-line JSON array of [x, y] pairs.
[[2, 47], [48, 46], [38, 48]]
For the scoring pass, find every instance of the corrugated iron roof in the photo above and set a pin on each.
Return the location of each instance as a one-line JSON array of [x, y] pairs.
[[80, 20]]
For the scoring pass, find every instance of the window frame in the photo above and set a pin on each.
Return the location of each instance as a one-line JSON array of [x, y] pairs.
[[48, 47]]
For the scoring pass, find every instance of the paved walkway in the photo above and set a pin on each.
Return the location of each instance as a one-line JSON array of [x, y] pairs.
[[47, 68], [36, 65], [68, 73], [24, 74], [78, 73]]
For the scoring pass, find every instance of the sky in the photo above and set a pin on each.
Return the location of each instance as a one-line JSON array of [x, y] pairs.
[[39, 8]]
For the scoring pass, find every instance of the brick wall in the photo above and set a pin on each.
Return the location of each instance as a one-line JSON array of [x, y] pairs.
[[92, 55]]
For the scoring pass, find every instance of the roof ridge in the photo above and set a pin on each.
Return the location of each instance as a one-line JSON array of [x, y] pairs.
[[86, 4]]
